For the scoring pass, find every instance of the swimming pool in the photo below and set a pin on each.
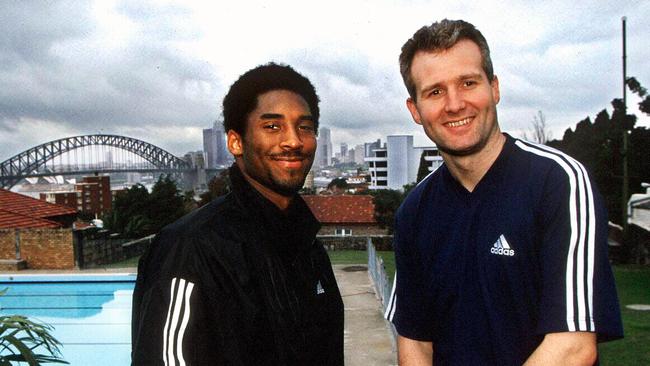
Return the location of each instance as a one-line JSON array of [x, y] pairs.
[[91, 313]]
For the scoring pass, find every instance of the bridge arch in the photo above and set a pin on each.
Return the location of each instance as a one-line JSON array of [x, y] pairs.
[[21, 165]]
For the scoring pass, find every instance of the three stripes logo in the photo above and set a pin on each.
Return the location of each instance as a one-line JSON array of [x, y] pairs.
[[501, 247], [319, 289]]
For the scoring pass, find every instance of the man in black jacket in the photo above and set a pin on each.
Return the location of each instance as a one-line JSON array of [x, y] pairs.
[[242, 280]]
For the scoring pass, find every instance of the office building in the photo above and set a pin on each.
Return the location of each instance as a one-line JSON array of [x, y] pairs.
[[324, 149], [215, 148], [396, 163]]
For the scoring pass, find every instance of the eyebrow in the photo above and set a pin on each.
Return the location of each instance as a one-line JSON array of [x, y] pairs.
[[280, 116]]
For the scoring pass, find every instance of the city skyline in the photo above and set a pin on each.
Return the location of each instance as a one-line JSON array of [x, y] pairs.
[[157, 72]]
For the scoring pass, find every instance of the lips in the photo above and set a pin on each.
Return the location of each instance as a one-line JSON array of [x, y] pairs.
[[289, 161], [459, 123]]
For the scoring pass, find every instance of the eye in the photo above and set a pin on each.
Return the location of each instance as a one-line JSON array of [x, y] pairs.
[[469, 83], [307, 127], [435, 92], [272, 126]]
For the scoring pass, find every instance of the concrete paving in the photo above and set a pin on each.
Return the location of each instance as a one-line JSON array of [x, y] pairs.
[[368, 339]]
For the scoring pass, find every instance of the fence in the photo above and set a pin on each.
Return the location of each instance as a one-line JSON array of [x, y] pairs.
[[383, 287]]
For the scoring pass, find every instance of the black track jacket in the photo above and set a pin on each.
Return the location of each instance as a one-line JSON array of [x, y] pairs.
[[238, 282]]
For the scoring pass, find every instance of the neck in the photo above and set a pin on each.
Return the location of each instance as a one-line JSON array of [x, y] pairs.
[[469, 170], [281, 201]]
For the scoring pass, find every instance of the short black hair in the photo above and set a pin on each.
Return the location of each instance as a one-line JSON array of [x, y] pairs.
[[441, 36], [241, 99]]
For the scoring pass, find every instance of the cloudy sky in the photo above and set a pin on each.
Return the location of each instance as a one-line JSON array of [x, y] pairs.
[[158, 71]]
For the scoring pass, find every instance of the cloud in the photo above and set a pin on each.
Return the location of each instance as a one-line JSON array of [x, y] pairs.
[[72, 80], [158, 71]]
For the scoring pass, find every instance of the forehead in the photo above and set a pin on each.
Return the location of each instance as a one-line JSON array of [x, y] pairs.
[[281, 101], [439, 66]]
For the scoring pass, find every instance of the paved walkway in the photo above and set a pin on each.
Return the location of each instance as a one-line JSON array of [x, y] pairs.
[[367, 334]]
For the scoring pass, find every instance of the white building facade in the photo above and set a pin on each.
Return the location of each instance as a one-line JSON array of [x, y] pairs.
[[396, 164]]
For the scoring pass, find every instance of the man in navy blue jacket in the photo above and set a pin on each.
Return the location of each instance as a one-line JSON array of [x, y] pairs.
[[501, 253]]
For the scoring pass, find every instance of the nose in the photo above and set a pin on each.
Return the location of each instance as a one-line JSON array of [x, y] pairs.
[[291, 139], [454, 102]]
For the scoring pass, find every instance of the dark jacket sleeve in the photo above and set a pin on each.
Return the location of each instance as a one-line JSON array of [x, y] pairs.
[[167, 304], [188, 305]]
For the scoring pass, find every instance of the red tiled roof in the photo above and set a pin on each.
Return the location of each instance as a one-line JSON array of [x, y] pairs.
[[12, 220], [18, 210], [342, 209]]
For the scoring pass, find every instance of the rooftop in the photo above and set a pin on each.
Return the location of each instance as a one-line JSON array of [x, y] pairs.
[[339, 209], [11, 220], [20, 211]]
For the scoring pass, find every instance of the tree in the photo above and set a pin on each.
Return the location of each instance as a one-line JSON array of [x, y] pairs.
[[217, 186], [338, 185], [386, 201], [599, 146], [137, 213], [635, 87], [423, 168], [165, 204], [538, 130], [128, 204]]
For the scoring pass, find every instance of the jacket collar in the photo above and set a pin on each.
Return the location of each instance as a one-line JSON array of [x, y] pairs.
[[292, 229]]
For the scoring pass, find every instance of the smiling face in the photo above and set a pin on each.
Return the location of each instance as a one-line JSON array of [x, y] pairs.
[[278, 146], [456, 103]]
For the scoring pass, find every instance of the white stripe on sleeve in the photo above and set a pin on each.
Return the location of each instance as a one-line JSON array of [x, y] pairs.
[[582, 238], [174, 331]]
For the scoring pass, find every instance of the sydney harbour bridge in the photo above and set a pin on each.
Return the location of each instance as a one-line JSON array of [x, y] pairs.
[[94, 154]]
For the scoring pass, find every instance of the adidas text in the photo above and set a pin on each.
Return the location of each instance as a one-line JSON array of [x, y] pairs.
[[501, 251]]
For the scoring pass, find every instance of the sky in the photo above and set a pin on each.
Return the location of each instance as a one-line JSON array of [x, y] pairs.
[[158, 70]]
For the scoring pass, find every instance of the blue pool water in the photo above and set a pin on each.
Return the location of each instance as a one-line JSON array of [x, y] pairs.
[[91, 313]]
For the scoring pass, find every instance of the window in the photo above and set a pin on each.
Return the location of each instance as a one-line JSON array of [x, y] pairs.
[[382, 164], [342, 231]]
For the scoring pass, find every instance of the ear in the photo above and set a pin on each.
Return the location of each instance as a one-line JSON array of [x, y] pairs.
[[413, 108], [496, 94], [235, 143]]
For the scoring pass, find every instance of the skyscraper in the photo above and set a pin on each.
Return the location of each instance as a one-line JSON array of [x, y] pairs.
[[223, 155], [214, 146], [344, 152], [324, 150]]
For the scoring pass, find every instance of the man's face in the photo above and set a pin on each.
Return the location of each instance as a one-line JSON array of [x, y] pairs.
[[456, 103], [277, 149]]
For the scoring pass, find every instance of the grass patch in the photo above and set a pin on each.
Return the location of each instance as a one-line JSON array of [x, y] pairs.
[[633, 285], [348, 256]]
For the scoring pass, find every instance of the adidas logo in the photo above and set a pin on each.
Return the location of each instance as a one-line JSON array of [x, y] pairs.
[[501, 247], [319, 288]]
